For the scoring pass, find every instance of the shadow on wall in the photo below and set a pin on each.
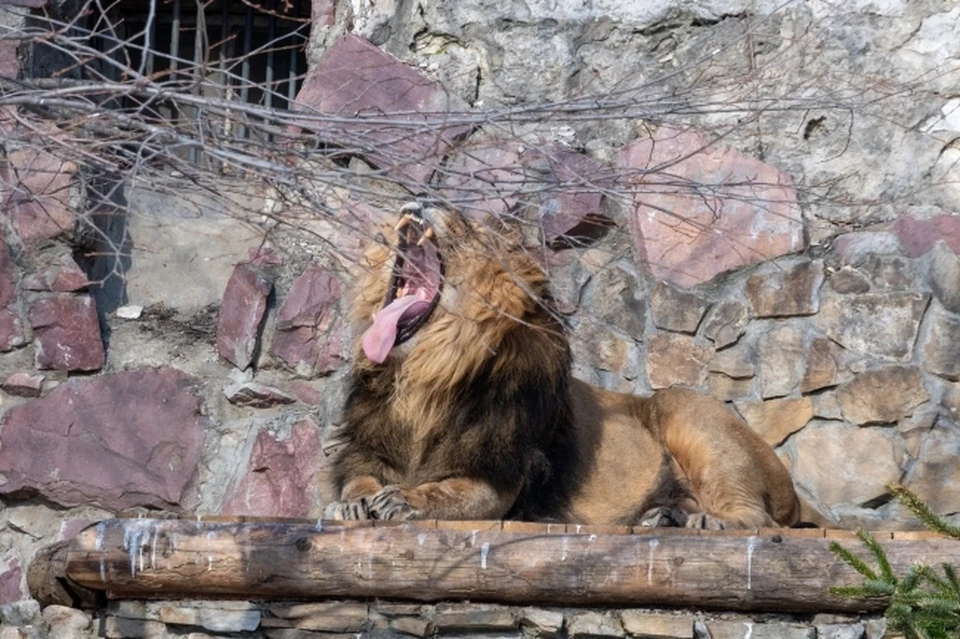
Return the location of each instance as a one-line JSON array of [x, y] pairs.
[[104, 246]]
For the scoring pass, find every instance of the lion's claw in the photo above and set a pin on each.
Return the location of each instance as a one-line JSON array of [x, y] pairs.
[[390, 503], [704, 521], [663, 517], [351, 510]]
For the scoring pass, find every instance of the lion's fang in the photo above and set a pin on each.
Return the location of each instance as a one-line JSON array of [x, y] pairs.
[[427, 235]]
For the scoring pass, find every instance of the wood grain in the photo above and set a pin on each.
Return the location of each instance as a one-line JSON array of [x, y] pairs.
[[773, 570]]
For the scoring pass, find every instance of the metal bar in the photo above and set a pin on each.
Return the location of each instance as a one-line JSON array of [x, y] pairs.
[[292, 81], [199, 41], [224, 32], [149, 37], [245, 65], [199, 72], [223, 82], [271, 35], [175, 39]]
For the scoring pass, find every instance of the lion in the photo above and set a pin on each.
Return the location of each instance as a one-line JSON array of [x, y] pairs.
[[461, 405]]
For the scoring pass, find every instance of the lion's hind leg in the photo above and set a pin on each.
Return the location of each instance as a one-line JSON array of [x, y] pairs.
[[734, 478]]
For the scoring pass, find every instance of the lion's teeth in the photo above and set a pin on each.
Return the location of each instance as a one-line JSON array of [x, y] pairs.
[[428, 234], [403, 221]]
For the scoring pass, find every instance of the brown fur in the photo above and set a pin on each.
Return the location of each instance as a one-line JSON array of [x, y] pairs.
[[477, 417]]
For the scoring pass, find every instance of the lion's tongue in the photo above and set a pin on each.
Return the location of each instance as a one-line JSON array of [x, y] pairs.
[[379, 338]]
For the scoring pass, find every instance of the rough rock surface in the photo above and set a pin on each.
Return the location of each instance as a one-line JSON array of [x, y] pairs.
[[676, 310], [649, 624], [780, 356], [356, 78], [474, 618], [725, 323], [66, 623], [280, 479], [593, 624], [777, 419], [309, 332], [935, 478], [941, 349], [882, 396], [67, 333], [782, 291], [677, 232], [825, 365], [23, 385], [240, 319], [485, 176], [256, 395], [945, 277], [571, 214], [879, 325], [117, 441], [849, 280], [616, 300], [735, 362], [918, 235], [846, 464], [737, 629], [63, 276], [11, 328], [676, 359], [11, 578], [36, 188]]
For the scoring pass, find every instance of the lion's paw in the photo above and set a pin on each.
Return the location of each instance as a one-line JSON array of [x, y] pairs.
[[663, 517], [390, 503], [352, 510], [704, 521]]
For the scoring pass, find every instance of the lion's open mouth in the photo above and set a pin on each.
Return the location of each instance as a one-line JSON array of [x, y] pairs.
[[414, 288]]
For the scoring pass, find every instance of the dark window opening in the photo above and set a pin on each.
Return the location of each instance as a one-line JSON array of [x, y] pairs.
[[237, 50]]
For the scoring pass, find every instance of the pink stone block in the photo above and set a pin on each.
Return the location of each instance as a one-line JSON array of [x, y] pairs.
[[386, 110], [280, 480], [310, 333], [11, 581], [917, 236], [702, 209], [241, 315], [11, 328], [35, 189], [116, 441], [67, 333], [23, 385], [62, 277]]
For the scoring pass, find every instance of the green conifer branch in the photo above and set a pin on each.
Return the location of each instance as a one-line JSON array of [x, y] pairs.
[[922, 511], [924, 604], [855, 562]]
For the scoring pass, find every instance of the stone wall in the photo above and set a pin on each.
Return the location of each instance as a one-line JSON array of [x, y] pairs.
[[775, 196], [384, 620]]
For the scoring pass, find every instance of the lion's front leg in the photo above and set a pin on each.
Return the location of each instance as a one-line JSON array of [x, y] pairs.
[[455, 498], [354, 500]]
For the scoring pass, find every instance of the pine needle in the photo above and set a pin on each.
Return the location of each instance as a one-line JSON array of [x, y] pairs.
[[924, 604], [922, 511]]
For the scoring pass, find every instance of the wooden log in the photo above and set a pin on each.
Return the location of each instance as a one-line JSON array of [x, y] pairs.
[[769, 570], [48, 583]]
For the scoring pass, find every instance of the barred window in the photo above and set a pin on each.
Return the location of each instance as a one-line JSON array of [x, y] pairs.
[[239, 50]]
